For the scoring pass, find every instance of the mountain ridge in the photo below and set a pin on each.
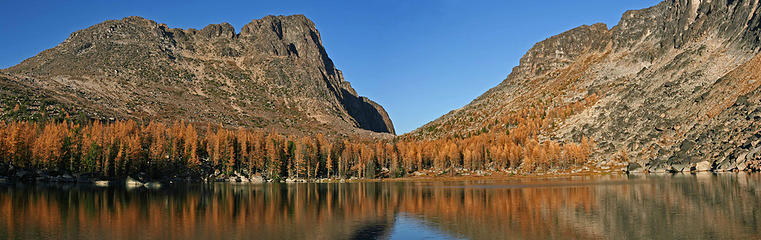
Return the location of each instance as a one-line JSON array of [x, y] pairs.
[[651, 74], [274, 73]]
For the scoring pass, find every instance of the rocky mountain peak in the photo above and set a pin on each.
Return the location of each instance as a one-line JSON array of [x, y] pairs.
[[275, 72], [222, 30], [677, 22], [561, 49], [671, 84]]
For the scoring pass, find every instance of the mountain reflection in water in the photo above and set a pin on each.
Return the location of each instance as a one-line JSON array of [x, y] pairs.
[[725, 206]]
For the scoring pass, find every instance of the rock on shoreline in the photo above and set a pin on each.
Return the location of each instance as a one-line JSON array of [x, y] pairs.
[[12, 174], [740, 165]]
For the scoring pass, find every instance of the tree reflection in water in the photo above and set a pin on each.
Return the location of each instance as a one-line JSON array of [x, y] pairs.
[[678, 206]]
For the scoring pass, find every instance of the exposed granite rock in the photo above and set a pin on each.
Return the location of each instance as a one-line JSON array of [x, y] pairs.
[[703, 166]]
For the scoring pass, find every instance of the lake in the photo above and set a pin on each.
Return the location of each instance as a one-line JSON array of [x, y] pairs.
[[682, 206]]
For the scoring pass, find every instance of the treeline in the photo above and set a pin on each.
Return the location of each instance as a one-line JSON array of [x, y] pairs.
[[124, 148], [512, 141]]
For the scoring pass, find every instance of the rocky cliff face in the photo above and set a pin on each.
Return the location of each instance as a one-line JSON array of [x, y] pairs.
[[274, 73], [676, 84]]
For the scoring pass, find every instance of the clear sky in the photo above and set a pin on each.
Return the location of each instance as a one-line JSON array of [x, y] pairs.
[[418, 58]]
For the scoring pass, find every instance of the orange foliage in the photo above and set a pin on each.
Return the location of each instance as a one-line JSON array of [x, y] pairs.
[[123, 148]]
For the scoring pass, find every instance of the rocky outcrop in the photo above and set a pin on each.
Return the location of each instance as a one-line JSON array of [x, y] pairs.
[[368, 114], [275, 73], [676, 85]]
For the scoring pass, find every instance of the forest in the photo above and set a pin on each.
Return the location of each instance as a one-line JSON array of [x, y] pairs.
[[114, 149]]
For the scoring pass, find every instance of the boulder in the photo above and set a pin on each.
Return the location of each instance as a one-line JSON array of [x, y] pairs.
[[131, 182], [753, 154], [257, 179], [741, 157], [102, 183], [680, 167], [742, 166], [241, 177], [725, 165], [703, 166]]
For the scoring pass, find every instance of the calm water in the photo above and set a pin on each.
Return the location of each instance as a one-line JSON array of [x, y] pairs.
[[706, 206]]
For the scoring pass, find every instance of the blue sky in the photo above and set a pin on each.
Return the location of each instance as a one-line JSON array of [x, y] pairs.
[[419, 59]]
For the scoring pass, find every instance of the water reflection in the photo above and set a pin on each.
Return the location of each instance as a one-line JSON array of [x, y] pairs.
[[619, 207]]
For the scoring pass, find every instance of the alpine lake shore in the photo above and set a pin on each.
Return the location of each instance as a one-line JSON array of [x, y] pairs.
[[15, 175]]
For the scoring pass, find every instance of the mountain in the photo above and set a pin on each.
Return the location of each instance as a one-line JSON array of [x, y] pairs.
[[274, 73], [671, 85]]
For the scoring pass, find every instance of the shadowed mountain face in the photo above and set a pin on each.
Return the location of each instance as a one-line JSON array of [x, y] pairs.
[[275, 73], [675, 83]]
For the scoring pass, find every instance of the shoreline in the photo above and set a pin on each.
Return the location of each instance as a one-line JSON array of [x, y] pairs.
[[24, 175], [27, 177]]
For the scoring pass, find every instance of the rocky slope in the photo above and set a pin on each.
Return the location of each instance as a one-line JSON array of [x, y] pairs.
[[676, 84], [274, 73]]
